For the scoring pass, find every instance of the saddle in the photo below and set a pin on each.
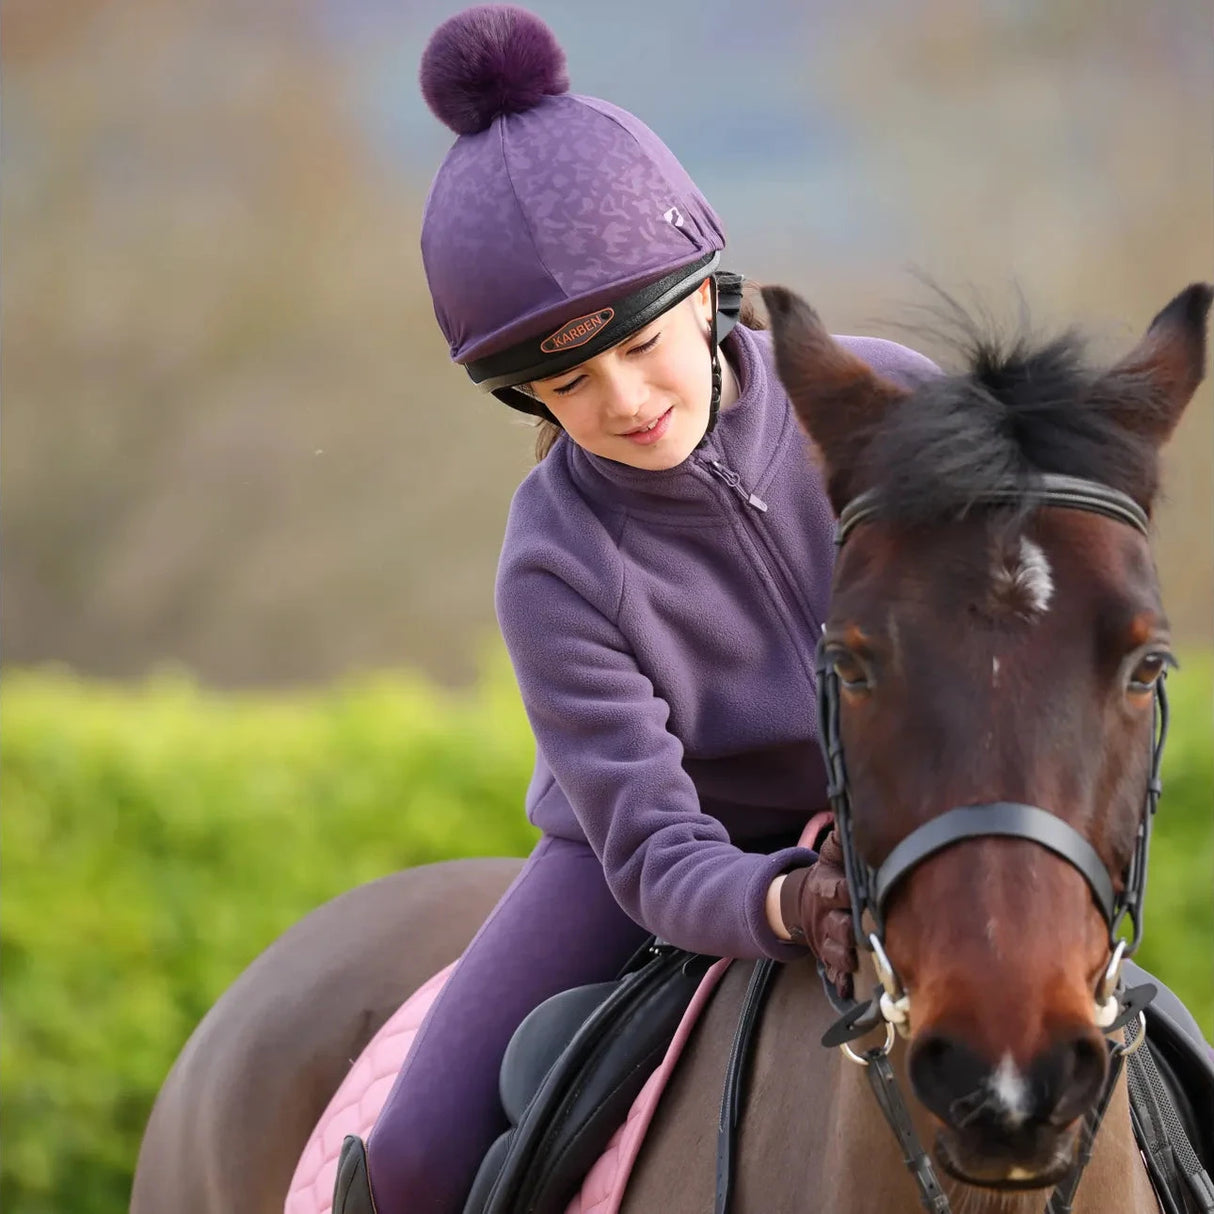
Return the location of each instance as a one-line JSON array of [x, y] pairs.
[[570, 1075], [568, 1079]]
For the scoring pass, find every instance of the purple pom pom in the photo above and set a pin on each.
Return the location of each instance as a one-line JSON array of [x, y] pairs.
[[490, 60]]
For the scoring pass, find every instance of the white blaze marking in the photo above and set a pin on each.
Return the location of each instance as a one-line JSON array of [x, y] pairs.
[[1010, 1091], [1028, 582], [1035, 575]]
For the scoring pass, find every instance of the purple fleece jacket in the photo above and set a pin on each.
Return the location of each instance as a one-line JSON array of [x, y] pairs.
[[662, 627]]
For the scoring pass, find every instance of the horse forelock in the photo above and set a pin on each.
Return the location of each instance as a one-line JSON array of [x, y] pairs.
[[1017, 410]]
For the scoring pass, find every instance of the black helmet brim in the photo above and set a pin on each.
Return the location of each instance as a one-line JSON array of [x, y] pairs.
[[503, 372]]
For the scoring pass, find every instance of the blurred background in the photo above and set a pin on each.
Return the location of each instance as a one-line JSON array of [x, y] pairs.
[[247, 501], [234, 440]]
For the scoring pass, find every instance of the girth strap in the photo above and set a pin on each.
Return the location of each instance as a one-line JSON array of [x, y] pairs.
[[1008, 819]]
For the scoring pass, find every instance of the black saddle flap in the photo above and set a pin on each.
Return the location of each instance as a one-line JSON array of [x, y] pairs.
[[585, 1094]]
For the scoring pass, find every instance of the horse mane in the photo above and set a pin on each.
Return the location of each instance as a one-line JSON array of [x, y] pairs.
[[1020, 407]]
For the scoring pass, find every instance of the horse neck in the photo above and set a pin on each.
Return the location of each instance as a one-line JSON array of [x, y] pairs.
[[856, 1163]]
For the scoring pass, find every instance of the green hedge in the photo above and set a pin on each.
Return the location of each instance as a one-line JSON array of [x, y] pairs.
[[155, 839]]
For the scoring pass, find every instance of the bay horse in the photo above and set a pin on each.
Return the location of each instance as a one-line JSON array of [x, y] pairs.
[[987, 643]]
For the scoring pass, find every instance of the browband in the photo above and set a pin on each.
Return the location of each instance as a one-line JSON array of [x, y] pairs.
[[1047, 489]]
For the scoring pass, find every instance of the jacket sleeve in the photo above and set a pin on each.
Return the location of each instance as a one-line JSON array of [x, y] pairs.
[[603, 731]]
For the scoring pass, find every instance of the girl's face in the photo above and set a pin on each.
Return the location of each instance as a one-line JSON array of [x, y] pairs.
[[644, 402]]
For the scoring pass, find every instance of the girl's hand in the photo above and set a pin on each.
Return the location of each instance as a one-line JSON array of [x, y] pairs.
[[815, 909]]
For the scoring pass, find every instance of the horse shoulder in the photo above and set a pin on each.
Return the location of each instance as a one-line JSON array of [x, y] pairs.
[[806, 1127]]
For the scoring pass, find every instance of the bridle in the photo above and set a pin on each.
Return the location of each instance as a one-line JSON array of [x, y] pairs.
[[871, 888]]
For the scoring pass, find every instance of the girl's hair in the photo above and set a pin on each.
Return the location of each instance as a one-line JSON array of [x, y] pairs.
[[546, 432]]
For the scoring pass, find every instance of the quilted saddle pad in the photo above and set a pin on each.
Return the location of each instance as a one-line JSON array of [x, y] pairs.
[[357, 1102]]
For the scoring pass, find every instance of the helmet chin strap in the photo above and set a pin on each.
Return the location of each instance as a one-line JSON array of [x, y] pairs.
[[714, 401], [725, 305]]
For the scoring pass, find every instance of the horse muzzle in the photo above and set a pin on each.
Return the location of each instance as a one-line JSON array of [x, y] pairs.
[[1008, 1126], [1034, 1161]]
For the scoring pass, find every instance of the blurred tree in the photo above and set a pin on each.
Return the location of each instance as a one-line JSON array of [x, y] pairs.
[[233, 436], [233, 439]]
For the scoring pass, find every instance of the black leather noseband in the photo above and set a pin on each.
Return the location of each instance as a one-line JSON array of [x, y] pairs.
[[1009, 819]]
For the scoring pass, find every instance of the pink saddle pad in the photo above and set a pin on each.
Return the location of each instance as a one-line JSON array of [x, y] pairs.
[[357, 1103]]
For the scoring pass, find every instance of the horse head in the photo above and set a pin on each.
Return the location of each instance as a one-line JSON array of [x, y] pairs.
[[994, 639]]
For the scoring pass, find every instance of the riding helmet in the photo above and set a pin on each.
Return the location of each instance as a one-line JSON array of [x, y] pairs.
[[557, 224]]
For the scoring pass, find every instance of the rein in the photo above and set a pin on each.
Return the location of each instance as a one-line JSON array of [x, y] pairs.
[[870, 890]]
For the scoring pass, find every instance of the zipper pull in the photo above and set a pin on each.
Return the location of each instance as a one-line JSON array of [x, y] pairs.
[[734, 481]]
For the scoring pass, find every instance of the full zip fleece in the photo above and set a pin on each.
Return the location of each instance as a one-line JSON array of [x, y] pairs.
[[662, 627]]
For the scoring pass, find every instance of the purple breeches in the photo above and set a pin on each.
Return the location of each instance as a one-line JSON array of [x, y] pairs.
[[556, 927]]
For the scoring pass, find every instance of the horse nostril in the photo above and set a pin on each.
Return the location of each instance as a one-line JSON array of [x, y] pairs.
[[1069, 1077], [963, 1090], [946, 1075]]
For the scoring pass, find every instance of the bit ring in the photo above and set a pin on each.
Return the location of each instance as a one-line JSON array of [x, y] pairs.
[[859, 1059]]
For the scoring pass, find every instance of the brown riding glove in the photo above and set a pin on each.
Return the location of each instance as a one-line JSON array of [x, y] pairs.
[[816, 910]]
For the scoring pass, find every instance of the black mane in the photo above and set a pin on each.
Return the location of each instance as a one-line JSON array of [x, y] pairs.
[[1021, 408]]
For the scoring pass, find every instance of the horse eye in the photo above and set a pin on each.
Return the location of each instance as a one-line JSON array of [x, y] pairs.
[[849, 670], [1146, 673]]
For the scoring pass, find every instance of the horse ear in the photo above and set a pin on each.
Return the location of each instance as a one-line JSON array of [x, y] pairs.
[[1171, 359], [839, 399]]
